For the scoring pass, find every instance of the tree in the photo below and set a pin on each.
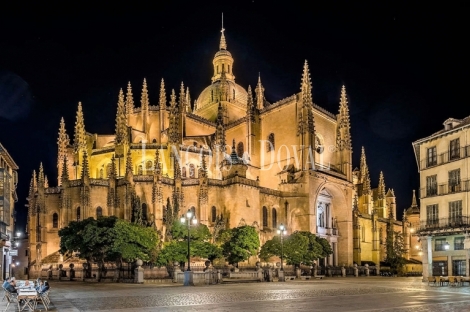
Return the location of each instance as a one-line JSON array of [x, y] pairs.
[[395, 251], [299, 247], [242, 244], [177, 249]]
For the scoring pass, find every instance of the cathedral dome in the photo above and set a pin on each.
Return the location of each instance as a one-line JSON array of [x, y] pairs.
[[211, 95]]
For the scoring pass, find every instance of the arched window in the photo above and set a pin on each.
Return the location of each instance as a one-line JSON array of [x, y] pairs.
[[274, 218], [218, 69], [99, 212], [154, 141], [192, 171], [193, 211], [212, 91], [234, 94], [265, 216], [228, 71], [55, 220], [144, 211], [139, 170], [213, 214], [78, 213], [286, 210], [148, 167], [240, 149], [183, 172], [101, 173], [270, 143]]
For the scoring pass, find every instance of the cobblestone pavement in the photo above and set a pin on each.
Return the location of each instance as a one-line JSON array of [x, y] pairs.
[[333, 294]]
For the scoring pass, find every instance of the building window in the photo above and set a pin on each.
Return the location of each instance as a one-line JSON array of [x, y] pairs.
[[78, 213], [55, 220], [234, 94], [183, 172], [432, 156], [432, 215], [270, 143], [193, 211], [213, 214], [192, 171], [459, 267], [431, 185], [140, 170], [274, 218], [439, 244], [265, 216], [240, 149], [144, 211], [458, 243], [454, 180], [101, 173], [99, 212], [455, 149], [148, 167], [455, 212]]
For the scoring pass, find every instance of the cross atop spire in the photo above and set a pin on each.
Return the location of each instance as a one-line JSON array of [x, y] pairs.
[[223, 43]]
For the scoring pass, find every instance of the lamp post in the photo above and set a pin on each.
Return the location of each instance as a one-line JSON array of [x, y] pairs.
[[282, 231], [188, 220]]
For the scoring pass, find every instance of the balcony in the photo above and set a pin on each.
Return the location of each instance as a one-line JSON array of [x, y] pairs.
[[445, 158], [454, 224], [444, 189]]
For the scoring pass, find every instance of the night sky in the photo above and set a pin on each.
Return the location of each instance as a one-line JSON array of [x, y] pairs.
[[403, 68]]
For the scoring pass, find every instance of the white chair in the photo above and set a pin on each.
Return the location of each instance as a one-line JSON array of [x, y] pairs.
[[11, 298]]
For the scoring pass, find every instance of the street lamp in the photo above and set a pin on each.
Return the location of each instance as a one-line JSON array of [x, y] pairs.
[[282, 231], [188, 220], [446, 246]]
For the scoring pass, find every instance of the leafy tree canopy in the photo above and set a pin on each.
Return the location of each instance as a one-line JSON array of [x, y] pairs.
[[242, 244]]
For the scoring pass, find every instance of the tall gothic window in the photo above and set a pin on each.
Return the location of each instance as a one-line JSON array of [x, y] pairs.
[[144, 211], [193, 211], [55, 220], [192, 171], [270, 143], [140, 170], [265, 216], [240, 149], [183, 172], [101, 173], [99, 212], [274, 218], [213, 214], [78, 213]]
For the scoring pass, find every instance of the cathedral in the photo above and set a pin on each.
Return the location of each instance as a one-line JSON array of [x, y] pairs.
[[231, 157]]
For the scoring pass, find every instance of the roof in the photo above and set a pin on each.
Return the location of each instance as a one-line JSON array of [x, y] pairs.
[[461, 123], [8, 158]]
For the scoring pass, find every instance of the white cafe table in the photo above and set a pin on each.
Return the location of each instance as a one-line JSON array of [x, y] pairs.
[[29, 297]]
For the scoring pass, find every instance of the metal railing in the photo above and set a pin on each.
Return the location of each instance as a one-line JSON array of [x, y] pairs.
[[456, 222], [447, 156], [444, 189]]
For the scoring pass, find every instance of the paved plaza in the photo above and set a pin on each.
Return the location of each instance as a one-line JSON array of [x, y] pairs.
[[331, 294]]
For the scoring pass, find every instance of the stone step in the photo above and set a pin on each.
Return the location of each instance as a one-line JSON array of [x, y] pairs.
[[238, 280]]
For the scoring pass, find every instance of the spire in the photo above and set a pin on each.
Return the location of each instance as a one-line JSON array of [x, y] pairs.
[[63, 142], [129, 100], [223, 87], [35, 183], [41, 175], [173, 131], [363, 165], [177, 174], [144, 100], [112, 174], [366, 188], [85, 168], [157, 166], [187, 102], [250, 106], [162, 100], [381, 188], [343, 136], [182, 99], [203, 168], [355, 203], [129, 172], [233, 156], [65, 171], [259, 93], [121, 120], [413, 200], [307, 102], [80, 134], [46, 182], [223, 43], [220, 130]]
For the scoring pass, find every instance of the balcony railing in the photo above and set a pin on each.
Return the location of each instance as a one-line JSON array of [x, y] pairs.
[[445, 157], [444, 189], [457, 222]]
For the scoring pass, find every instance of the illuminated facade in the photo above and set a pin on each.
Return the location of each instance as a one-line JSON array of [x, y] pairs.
[[443, 161], [8, 198], [230, 156]]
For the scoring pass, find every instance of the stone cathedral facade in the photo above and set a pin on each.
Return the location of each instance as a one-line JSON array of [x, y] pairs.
[[230, 156]]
